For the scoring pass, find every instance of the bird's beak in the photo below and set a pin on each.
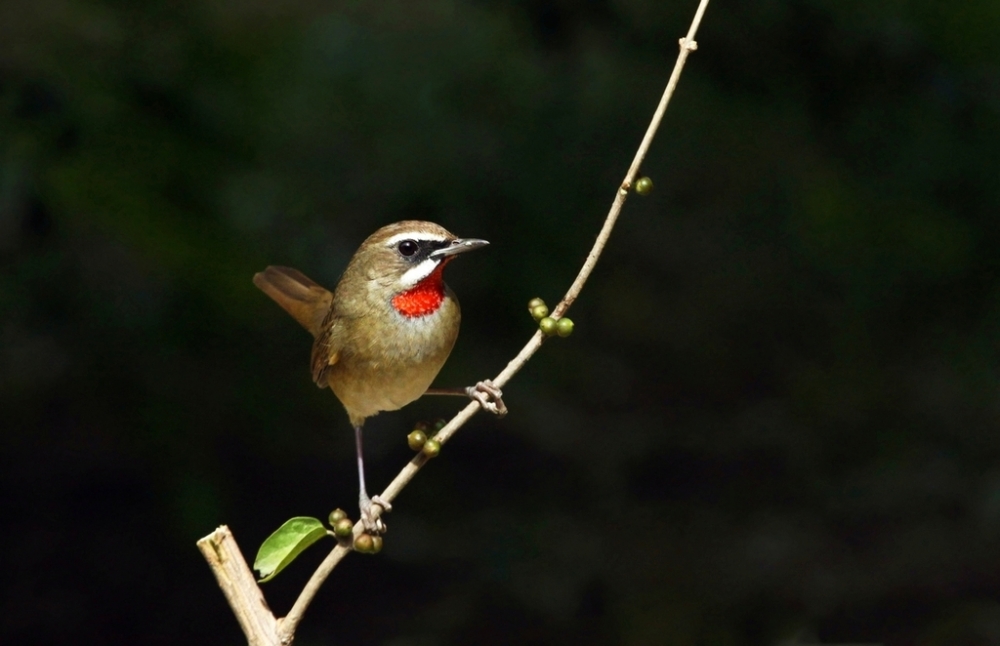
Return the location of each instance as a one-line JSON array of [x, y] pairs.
[[457, 246]]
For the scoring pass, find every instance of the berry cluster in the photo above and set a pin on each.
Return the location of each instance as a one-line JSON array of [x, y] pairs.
[[343, 528], [548, 325], [419, 441]]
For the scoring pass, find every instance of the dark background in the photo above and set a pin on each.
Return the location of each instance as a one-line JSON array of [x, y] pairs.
[[778, 416]]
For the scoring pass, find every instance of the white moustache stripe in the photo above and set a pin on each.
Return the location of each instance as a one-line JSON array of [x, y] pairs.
[[413, 235], [418, 273]]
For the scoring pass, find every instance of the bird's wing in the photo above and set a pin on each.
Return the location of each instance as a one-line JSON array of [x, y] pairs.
[[304, 299], [326, 349], [350, 308]]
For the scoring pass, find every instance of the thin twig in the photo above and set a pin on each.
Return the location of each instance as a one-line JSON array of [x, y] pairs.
[[687, 45], [286, 626]]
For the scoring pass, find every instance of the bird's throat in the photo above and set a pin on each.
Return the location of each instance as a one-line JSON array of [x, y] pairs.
[[424, 298]]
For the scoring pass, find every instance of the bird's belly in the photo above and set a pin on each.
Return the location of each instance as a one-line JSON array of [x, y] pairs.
[[380, 389], [395, 371]]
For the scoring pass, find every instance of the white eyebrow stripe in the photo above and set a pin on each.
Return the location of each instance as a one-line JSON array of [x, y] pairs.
[[413, 235], [416, 274]]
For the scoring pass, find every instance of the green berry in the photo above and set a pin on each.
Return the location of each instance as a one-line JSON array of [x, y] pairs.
[[564, 327], [439, 424], [539, 312], [431, 448], [644, 186], [343, 528], [547, 325], [376, 544], [535, 302], [416, 440], [336, 515], [364, 544]]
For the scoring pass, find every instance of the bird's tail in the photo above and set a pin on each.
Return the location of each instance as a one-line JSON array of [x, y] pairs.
[[297, 294]]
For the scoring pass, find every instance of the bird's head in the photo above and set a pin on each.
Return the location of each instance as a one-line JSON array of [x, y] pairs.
[[406, 259]]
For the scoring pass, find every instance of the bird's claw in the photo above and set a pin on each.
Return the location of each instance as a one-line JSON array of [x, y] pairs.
[[489, 397], [373, 522]]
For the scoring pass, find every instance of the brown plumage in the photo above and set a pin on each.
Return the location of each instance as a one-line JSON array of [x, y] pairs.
[[386, 330]]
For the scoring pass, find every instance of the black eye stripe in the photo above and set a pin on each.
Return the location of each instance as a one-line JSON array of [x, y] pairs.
[[415, 250]]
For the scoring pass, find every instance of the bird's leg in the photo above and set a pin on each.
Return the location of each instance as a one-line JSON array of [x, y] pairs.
[[485, 392], [373, 524]]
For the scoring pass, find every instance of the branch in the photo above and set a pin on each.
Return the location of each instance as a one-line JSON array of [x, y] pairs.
[[286, 626], [241, 590]]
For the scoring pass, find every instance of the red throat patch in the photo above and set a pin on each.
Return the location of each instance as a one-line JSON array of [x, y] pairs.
[[424, 298]]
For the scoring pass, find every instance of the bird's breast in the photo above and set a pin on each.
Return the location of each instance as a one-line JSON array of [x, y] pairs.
[[390, 359]]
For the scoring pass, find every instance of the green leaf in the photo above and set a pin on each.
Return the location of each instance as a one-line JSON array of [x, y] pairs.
[[286, 543]]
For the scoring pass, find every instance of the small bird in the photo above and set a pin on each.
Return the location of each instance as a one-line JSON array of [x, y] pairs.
[[383, 334]]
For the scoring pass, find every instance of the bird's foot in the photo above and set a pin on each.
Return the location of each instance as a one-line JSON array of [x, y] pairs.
[[369, 518], [489, 397]]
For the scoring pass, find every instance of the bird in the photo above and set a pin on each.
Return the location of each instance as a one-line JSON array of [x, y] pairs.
[[383, 334]]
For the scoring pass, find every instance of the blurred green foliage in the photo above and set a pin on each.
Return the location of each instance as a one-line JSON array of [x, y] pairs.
[[776, 417]]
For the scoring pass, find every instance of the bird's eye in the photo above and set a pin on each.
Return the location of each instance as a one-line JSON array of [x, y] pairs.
[[407, 247]]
